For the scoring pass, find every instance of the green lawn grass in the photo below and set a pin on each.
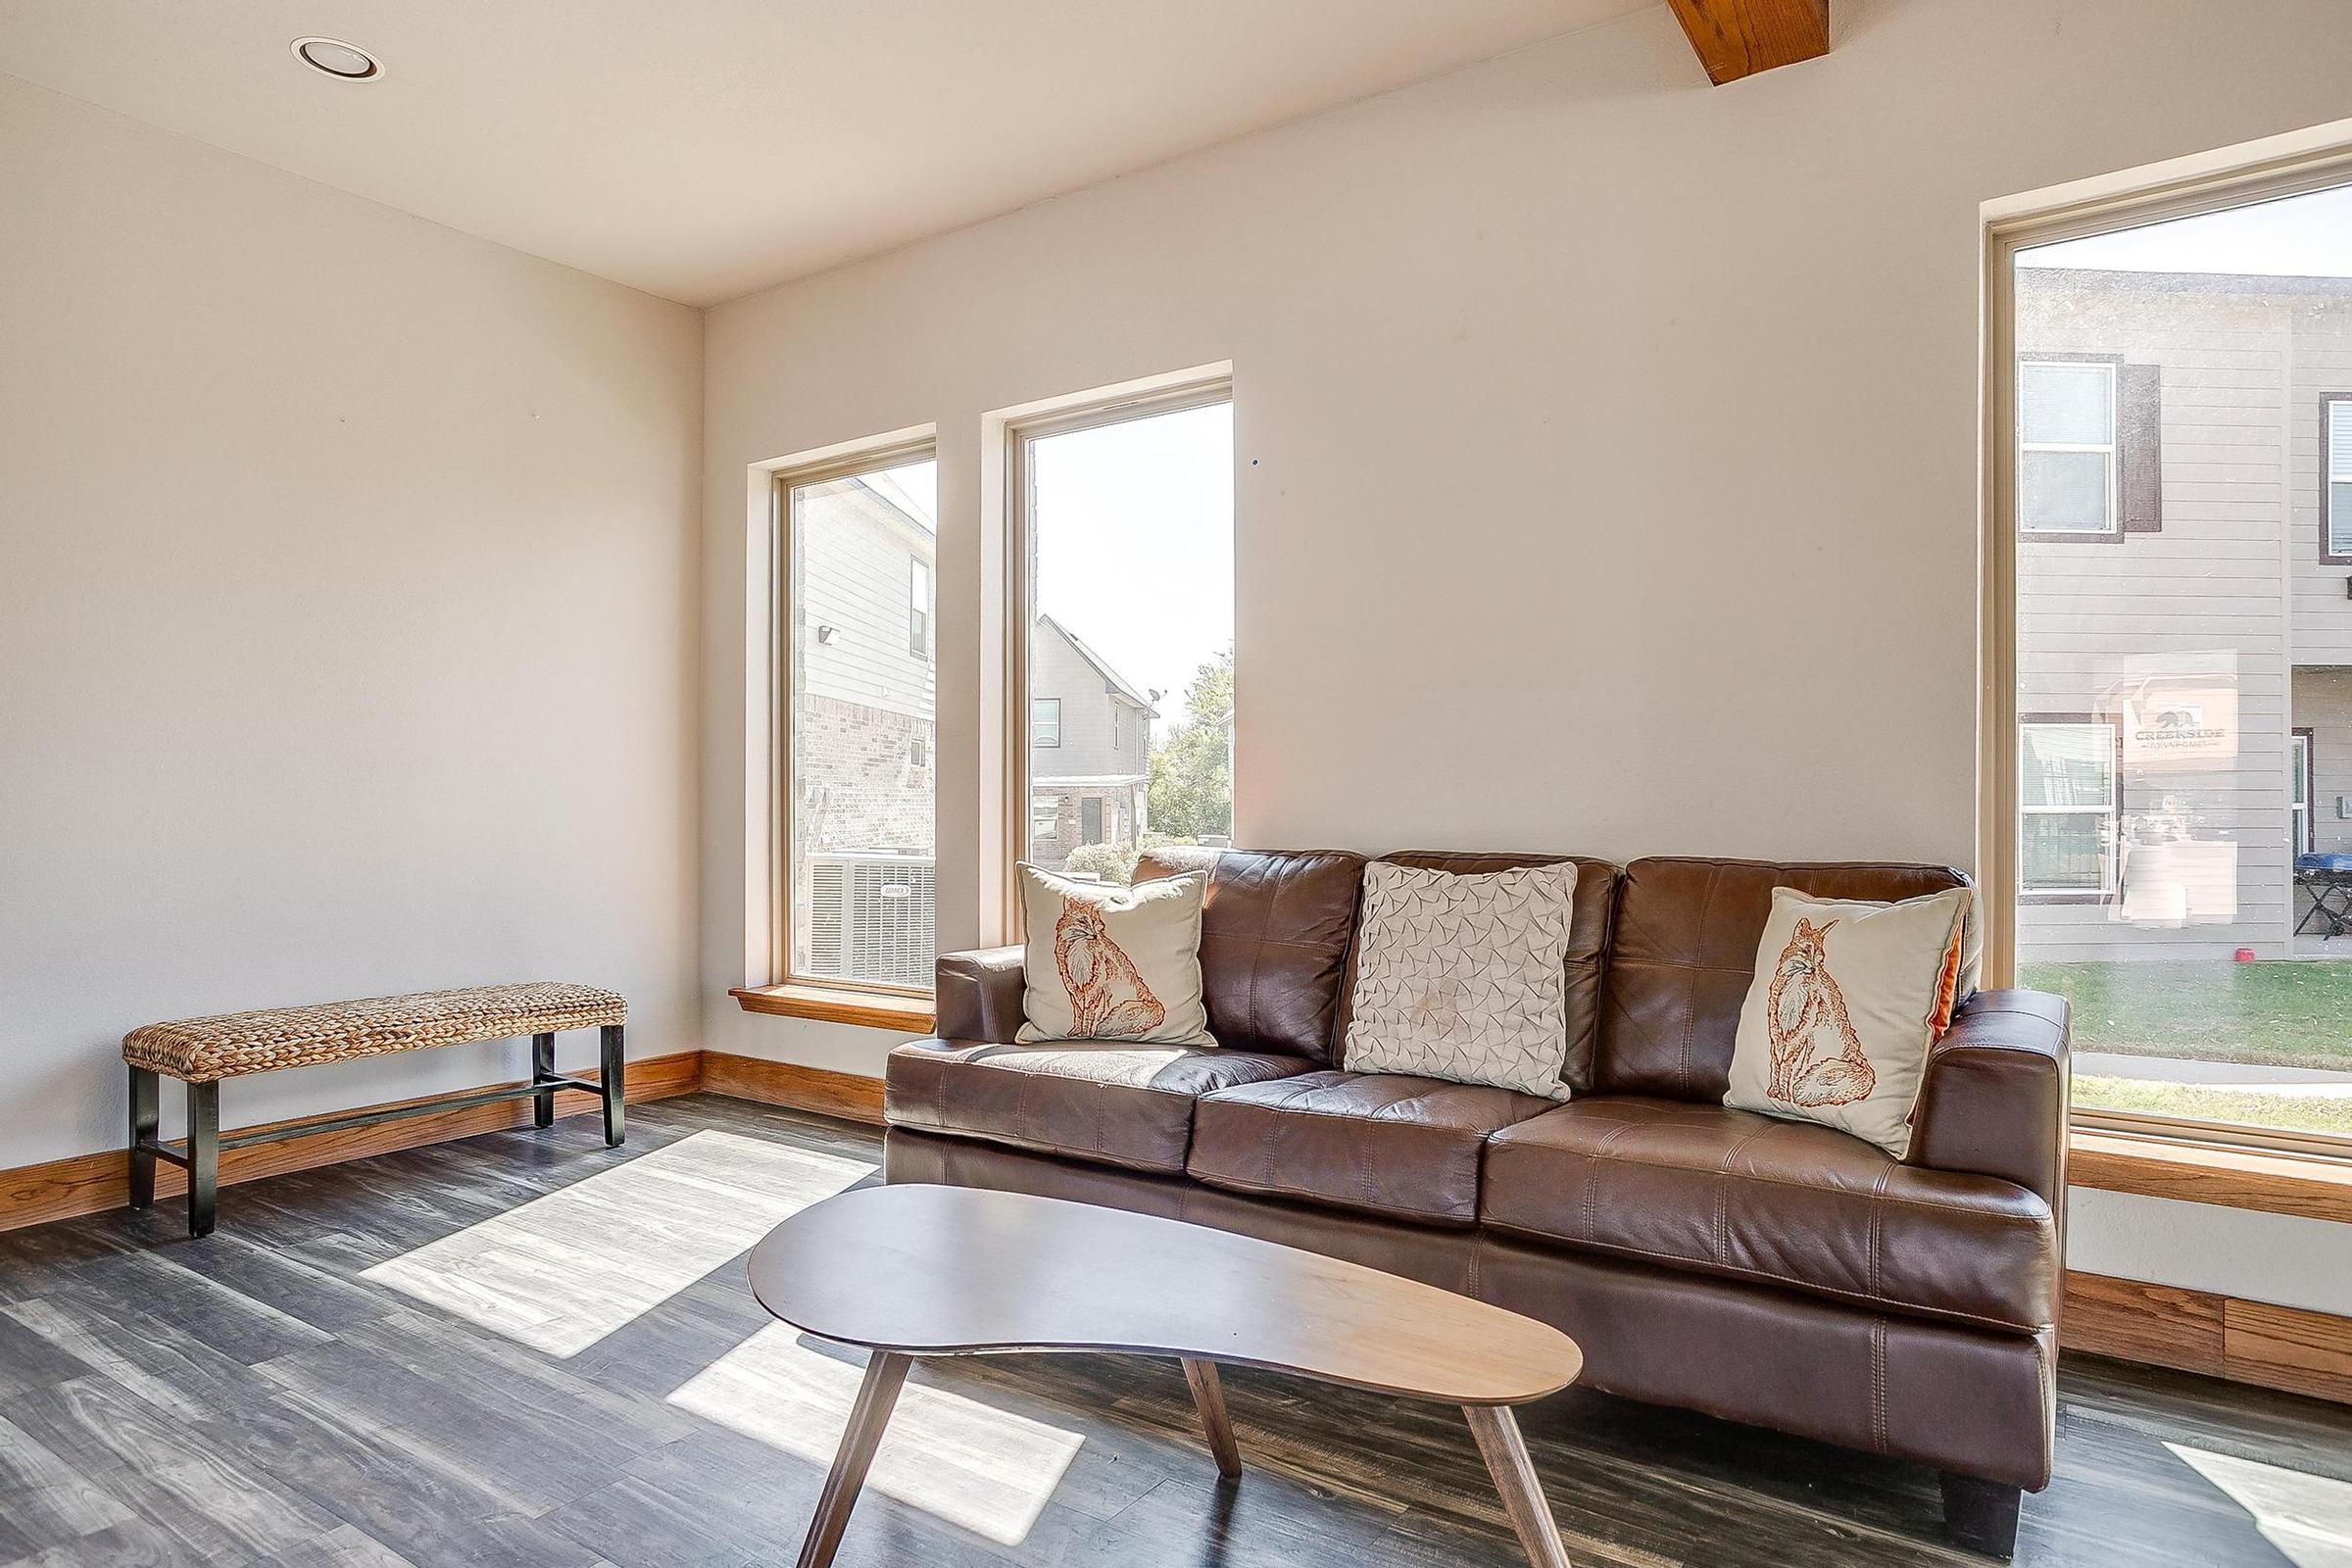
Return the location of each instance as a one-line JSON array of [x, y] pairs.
[[2281, 1014], [2295, 1113], [2277, 1015]]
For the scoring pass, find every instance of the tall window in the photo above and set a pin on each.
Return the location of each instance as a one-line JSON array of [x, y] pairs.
[[2174, 621], [1126, 519], [2335, 460], [2067, 461], [859, 828]]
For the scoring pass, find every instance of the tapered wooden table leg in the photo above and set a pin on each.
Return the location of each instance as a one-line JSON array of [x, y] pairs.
[[1498, 1435], [1209, 1395], [885, 1374]]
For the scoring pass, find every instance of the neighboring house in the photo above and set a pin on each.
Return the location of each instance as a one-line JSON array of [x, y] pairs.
[[1089, 747], [2185, 607], [863, 769]]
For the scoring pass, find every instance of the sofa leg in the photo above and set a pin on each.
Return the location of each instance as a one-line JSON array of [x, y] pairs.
[[1982, 1515]]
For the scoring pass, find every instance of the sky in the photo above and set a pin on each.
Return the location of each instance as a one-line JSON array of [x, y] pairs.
[[913, 488], [2296, 237], [1134, 531]]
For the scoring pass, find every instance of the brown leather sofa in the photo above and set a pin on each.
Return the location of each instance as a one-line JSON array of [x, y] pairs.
[[1767, 1271]]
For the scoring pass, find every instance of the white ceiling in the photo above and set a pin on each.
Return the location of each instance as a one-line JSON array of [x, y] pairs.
[[701, 149]]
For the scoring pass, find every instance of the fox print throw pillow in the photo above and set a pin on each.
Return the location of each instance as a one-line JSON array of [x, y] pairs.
[[1849, 994], [1107, 963]]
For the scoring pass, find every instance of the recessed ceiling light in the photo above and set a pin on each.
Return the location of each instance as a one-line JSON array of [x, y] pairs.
[[336, 58]]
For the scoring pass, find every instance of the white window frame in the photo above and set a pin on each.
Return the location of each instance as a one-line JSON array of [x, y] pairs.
[[2110, 812], [783, 613], [2300, 821], [1044, 817], [919, 608], [2336, 535], [2112, 450], [1036, 731]]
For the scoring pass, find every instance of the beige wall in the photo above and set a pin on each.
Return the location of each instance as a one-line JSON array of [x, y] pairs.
[[1607, 443], [348, 609]]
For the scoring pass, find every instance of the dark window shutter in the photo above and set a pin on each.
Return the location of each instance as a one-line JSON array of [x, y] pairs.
[[2139, 453]]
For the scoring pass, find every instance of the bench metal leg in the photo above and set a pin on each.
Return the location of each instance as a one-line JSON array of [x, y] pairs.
[[204, 1156], [611, 1070], [543, 1067], [146, 1122]]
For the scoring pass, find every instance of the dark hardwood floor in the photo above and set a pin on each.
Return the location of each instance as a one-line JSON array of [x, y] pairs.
[[527, 1349]]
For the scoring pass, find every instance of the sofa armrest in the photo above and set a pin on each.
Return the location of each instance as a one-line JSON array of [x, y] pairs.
[[1993, 1101], [978, 995]]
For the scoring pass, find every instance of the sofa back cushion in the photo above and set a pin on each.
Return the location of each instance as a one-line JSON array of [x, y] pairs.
[[1587, 943], [1683, 952], [1274, 942]]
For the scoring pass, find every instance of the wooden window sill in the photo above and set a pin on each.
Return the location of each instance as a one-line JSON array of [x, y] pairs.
[[910, 1015], [2310, 1186]]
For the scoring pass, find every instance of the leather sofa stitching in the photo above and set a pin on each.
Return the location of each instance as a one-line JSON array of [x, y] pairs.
[[1723, 1194], [1997, 1215], [1418, 1216], [1878, 1384], [1878, 1231], [1674, 1260], [1047, 1146]]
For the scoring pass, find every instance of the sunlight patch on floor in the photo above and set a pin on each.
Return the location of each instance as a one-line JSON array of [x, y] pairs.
[[563, 1271], [984, 1470], [2307, 1517]]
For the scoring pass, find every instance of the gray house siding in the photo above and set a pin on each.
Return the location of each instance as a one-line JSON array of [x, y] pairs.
[[1091, 788], [2213, 609]]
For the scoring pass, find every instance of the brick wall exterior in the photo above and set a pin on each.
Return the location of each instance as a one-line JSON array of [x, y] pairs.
[[859, 784]]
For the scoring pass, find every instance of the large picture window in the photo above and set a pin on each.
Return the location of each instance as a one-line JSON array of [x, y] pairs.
[[1125, 539], [857, 815], [2169, 702]]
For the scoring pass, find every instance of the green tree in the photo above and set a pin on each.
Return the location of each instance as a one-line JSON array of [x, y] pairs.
[[1192, 772]]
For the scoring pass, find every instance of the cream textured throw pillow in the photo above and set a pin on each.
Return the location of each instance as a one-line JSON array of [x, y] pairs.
[[1107, 963], [1848, 997], [1464, 977]]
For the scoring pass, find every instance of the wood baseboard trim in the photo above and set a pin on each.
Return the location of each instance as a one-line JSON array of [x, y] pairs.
[[853, 1096], [87, 1184], [2270, 1346]]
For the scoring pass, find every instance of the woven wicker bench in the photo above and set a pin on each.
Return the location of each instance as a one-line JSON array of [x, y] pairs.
[[202, 1052]]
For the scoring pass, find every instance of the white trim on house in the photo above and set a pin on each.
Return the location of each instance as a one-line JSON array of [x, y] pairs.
[[2336, 502]]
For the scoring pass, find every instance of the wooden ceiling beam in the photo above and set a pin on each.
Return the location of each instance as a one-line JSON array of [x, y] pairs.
[[1738, 38]]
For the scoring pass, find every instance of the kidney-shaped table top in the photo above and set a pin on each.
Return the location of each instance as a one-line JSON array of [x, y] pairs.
[[924, 1270]]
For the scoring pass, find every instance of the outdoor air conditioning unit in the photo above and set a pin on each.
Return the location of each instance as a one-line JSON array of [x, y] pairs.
[[870, 918]]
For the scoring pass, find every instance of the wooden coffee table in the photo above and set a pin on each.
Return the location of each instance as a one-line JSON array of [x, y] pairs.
[[919, 1270]]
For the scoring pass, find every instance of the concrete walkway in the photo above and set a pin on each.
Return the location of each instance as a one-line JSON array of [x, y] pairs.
[[2248, 1077]]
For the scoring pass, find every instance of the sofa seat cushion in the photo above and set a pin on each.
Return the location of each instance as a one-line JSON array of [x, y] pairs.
[[1789, 1203], [1383, 1143], [1107, 1102]]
